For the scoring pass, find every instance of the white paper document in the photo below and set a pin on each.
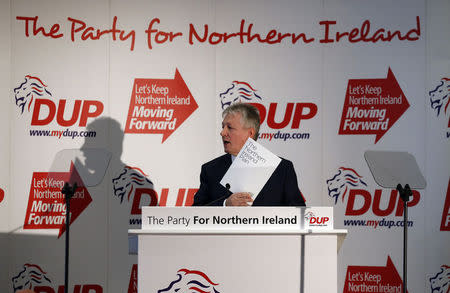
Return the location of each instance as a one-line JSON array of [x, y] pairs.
[[251, 169]]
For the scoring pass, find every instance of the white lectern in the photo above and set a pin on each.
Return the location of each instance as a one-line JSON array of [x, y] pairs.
[[257, 249]]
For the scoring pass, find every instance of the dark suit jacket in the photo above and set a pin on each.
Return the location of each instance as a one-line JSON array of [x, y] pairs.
[[280, 190]]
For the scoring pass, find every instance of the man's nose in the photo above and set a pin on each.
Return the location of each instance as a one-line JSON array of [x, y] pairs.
[[223, 132]]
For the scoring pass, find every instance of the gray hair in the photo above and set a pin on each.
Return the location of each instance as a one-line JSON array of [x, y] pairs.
[[249, 116]]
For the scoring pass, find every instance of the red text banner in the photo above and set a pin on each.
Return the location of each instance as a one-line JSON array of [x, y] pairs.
[[372, 106], [46, 204], [373, 279], [159, 106], [445, 222]]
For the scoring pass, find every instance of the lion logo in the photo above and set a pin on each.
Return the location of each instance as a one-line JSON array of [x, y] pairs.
[[191, 281], [26, 92], [309, 215], [441, 282], [339, 184], [128, 180], [440, 96], [30, 276], [238, 92]]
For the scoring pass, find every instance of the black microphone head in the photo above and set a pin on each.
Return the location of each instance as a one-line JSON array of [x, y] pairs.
[[227, 186]]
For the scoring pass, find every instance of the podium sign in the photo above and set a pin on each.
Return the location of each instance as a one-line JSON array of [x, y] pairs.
[[257, 249], [237, 218]]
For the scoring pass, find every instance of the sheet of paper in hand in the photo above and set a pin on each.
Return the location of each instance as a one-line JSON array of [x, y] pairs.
[[251, 169]]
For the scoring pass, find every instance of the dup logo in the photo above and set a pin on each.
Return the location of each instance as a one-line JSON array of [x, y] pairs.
[[439, 96], [440, 283], [33, 96], [34, 278], [31, 275], [340, 183], [360, 200], [440, 99], [191, 281], [312, 220], [238, 92], [132, 184], [28, 90], [292, 113]]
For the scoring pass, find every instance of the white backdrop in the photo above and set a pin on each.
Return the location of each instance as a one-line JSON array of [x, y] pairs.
[[302, 85]]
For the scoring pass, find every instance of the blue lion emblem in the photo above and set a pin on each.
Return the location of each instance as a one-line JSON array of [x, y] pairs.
[[339, 184], [191, 281], [239, 91], [309, 215], [25, 93], [29, 276], [441, 282], [128, 180], [440, 96]]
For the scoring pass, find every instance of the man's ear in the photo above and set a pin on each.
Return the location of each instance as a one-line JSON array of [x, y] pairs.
[[252, 132]]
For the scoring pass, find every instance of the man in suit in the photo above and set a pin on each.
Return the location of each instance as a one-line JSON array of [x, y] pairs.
[[241, 121]]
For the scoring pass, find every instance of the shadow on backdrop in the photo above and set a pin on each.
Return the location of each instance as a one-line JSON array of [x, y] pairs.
[[100, 233]]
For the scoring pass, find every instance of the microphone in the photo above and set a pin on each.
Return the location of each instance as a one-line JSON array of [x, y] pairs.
[[222, 198]]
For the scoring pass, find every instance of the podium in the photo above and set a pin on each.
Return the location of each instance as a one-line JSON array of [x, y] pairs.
[[242, 249]]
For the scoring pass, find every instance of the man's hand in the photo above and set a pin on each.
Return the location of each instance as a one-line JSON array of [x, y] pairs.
[[239, 199]]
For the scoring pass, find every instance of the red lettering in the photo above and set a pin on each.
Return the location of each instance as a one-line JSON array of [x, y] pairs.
[[35, 119], [88, 288], [376, 203], [43, 289], [190, 197], [245, 35], [362, 34], [160, 36], [86, 113], [180, 197], [75, 113], [286, 119], [76, 289], [262, 111], [132, 285], [327, 31], [193, 32], [138, 202], [303, 111], [74, 30], [300, 115], [366, 197], [92, 288], [52, 33], [414, 201], [95, 34], [163, 197]]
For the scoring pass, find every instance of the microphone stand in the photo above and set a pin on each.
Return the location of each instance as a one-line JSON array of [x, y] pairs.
[[68, 192], [227, 186], [405, 193]]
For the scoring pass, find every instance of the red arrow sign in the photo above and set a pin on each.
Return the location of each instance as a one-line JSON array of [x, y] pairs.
[[159, 105], [372, 106], [373, 279], [445, 222], [46, 205]]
